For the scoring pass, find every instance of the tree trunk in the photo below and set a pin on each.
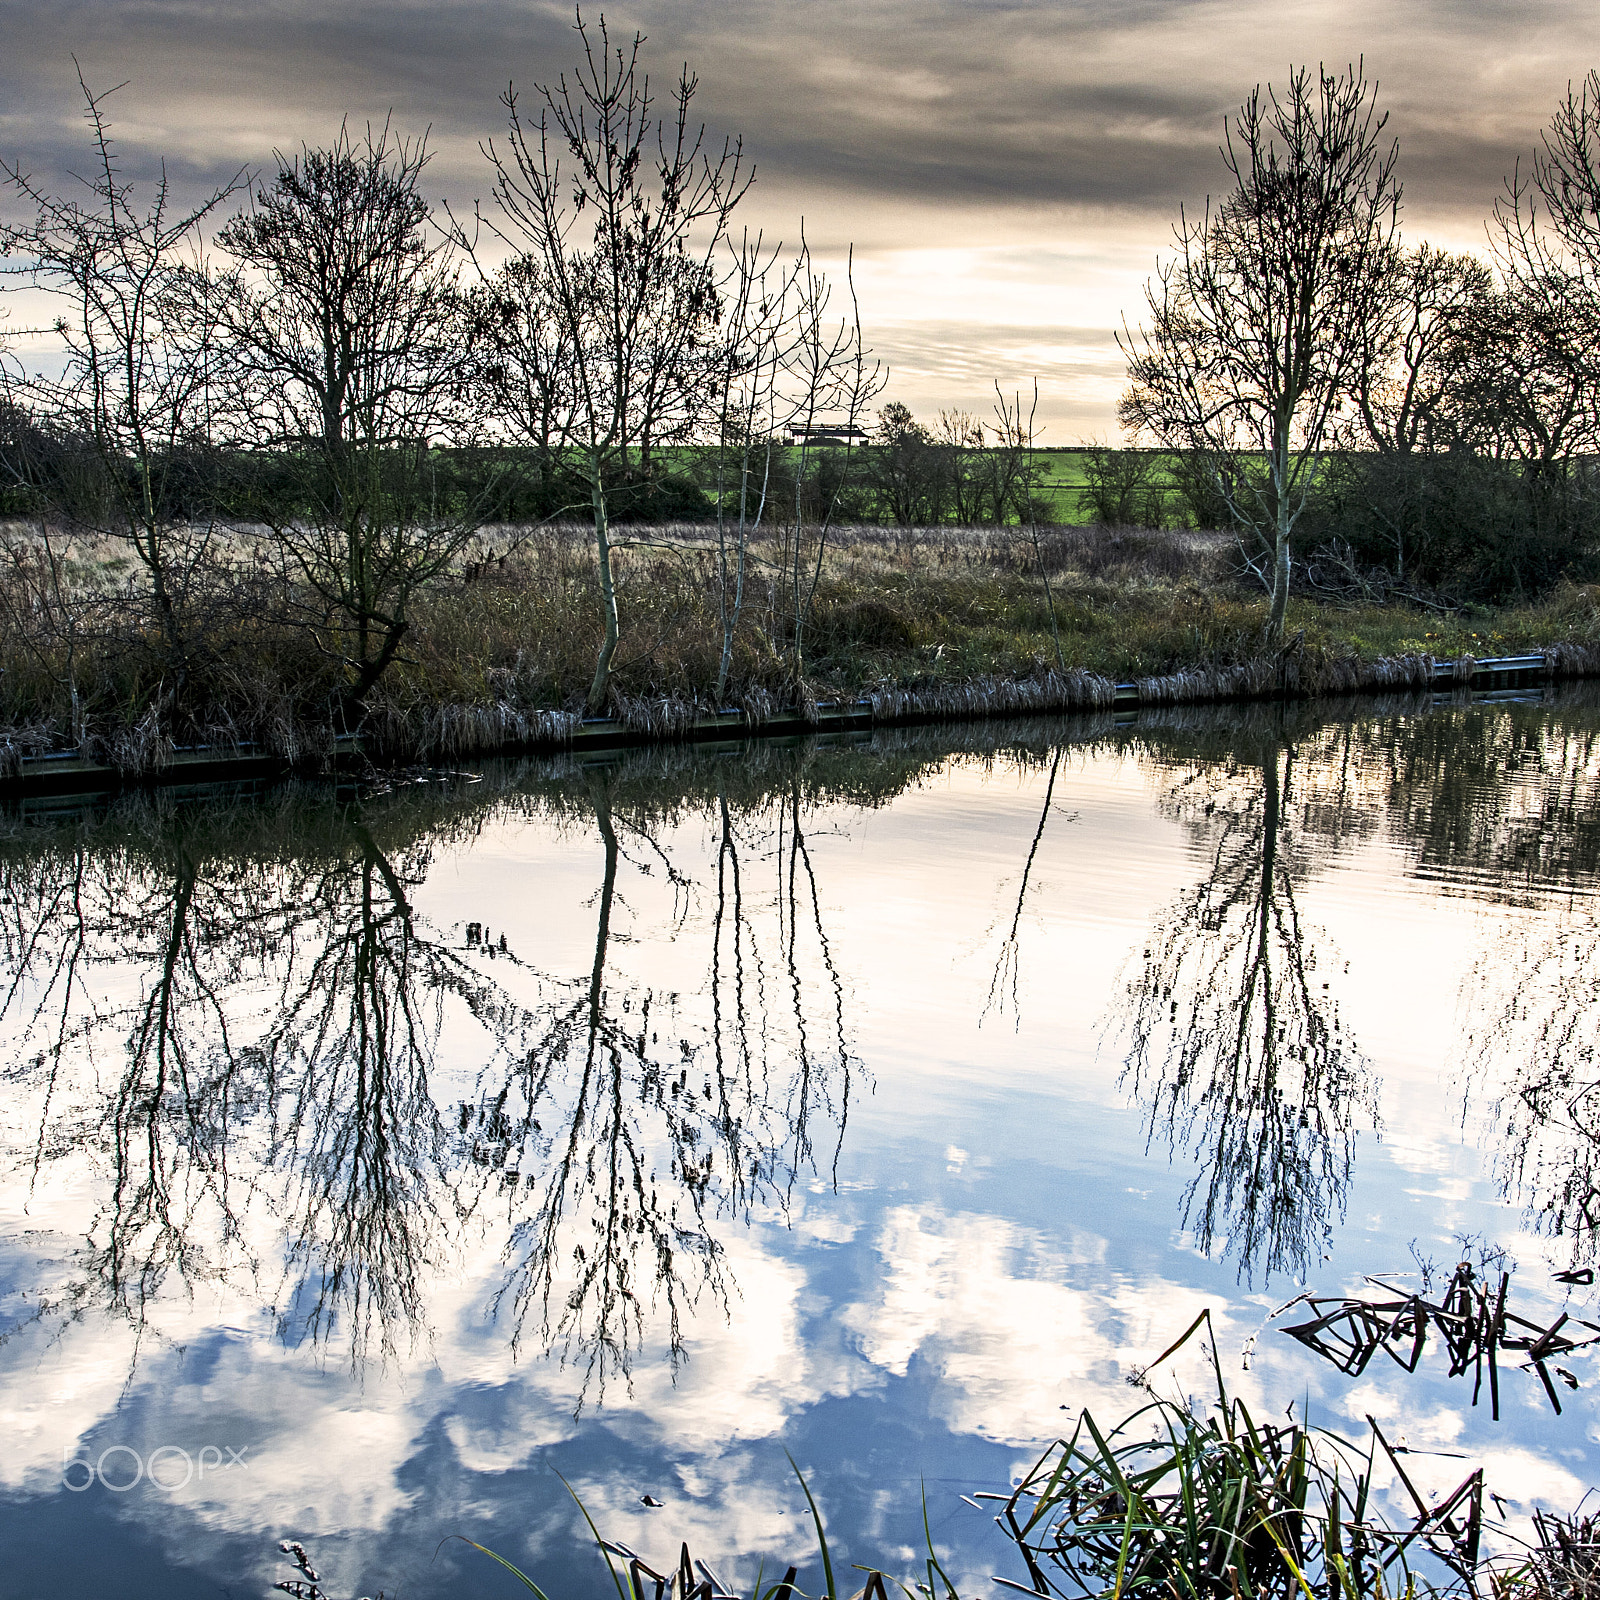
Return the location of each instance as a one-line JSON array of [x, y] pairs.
[[600, 689], [730, 614], [1280, 586], [172, 634], [1284, 527], [601, 798], [372, 670]]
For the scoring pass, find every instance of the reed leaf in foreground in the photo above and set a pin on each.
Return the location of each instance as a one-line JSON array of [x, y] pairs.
[[1167, 1504]]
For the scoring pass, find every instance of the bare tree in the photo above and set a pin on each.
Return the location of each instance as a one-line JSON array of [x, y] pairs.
[[1254, 333], [961, 438], [635, 300], [1408, 381], [344, 351], [1565, 181], [524, 363], [790, 381], [755, 337], [1425, 383], [1546, 238], [828, 375], [1016, 441], [1123, 488], [131, 394]]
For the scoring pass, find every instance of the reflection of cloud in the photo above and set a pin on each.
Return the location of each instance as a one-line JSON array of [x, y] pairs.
[[328, 1466], [501, 1427], [990, 1306], [1524, 1480], [1433, 1427], [748, 1374], [825, 1227], [325, 1457], [1417, 1152], [722, 1502], [51, 1401]]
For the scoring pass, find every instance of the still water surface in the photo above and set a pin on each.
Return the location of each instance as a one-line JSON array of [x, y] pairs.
[[368, 1160]]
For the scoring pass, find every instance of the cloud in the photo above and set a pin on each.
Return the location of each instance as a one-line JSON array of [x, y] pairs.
[[1014, 1325], [900, 125], [1033, 105]]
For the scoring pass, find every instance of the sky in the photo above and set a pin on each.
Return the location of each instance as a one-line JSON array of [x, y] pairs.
[[1005, 172]]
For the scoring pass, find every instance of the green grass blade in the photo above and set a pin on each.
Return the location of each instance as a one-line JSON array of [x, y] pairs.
[[516, 1572], [822, 1538], [600, 1544], [933, 1557]]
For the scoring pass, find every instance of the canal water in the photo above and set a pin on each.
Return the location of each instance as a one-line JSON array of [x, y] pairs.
[[375, 1164]]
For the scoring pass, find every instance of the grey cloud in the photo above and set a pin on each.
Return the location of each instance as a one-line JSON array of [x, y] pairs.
[[1003, 105], [898, 123]]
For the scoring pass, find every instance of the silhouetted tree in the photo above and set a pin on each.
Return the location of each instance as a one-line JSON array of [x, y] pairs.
[[906, 469], [635, 305], [827, 375], [960, 437], [344, 349], [1123, 488], [1547, 241], [1254, 334], [131, 398]]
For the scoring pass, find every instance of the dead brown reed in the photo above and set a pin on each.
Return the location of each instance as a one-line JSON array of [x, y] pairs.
[[1471, 1318]]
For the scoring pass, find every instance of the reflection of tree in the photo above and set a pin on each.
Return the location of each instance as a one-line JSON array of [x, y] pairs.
[[609, 1238], [1524, 828], [331, 1089], [600, 1212], [1502, 798], [813, 1080], [1003, 986], [76, 918], [355, 1121], [1537, 1040], [281, 1027], [1232, 1041]]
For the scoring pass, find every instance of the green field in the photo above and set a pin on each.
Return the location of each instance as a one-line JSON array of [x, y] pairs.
[[1064, 478]]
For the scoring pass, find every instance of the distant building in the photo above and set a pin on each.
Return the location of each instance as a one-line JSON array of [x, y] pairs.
[[827, 433]]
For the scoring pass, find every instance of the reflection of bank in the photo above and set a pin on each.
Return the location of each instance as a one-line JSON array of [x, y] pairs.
[[277, 1012], [1233, 1041]]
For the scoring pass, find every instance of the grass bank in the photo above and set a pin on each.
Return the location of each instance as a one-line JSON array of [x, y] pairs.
[[921, 622]]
